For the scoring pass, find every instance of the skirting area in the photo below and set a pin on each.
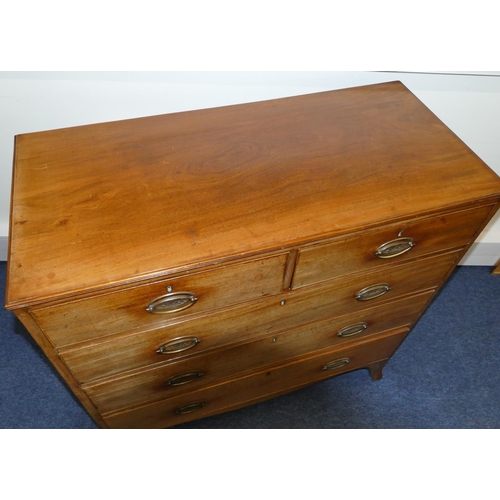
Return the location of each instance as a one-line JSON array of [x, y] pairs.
[[445, 375]]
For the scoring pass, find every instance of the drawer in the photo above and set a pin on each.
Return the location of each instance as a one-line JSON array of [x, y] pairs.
[[207, 369], [398, 243], [125, 310], [266, 316], [258, 386]]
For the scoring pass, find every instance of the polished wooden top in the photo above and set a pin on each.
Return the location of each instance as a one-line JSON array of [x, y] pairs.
[[105, 204]]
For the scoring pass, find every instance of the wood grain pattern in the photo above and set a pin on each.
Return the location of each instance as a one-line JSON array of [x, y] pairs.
[[258, 386], [356, 252], [224, 364], [238, 327], [225, 182], [301, 306], [268, 213], [111, 313]]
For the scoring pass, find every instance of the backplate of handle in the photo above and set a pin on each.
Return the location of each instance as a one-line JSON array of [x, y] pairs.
[[184, 378], [338, 363], [181, 410], [394, 248], [178, 344], [351, 330], [171, 303], [372, 291]]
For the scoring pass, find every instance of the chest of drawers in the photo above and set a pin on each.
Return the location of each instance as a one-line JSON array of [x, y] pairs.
[[178, 266]]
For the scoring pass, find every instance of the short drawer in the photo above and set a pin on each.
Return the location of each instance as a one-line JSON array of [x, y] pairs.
[[393, 243], [258, 387], [207, 369], [242, 324], [125, 310]]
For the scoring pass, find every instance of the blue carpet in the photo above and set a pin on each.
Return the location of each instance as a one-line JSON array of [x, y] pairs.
[[444, 376]]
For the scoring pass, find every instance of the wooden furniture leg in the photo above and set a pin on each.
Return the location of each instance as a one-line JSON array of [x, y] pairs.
[[376, 370]]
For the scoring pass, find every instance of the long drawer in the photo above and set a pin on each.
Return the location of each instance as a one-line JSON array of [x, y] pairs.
[[317, 303], [121, 311], [257, 387], [207, 369], [393, 243]]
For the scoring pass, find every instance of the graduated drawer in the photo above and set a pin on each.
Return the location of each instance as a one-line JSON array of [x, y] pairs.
[[392, 243], [267, 316], [207, 369], [104, 315], [258, 386]]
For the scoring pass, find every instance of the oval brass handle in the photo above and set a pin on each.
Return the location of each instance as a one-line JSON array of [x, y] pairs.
[[178, 345], [372, 291], [351, 330], [171, 303], [394, 248], [189, 408], [184, 378], [338, 363]]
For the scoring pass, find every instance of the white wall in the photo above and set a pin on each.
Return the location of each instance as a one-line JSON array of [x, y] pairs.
[[32, 101]]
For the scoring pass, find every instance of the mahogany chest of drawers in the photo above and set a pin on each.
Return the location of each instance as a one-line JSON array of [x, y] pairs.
[[178, 266]]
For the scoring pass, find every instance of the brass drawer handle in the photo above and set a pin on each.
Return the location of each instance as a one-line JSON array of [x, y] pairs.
[[171, 303], [351, 330], [373, 291], [178, 345], [338, 363], [184, 378], [189, 408], [394, 248]]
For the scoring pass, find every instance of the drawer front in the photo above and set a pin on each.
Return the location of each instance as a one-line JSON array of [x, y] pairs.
[[394, 243], [121, 311], [201, 371], [257, 387], [242, 324]]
